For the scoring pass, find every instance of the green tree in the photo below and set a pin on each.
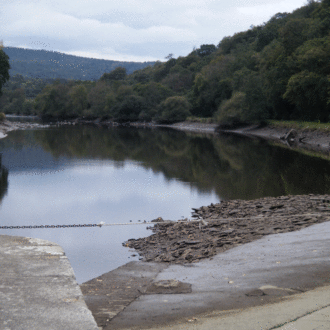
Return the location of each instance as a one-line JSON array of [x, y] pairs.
[[117, 74], [294, 34], [205, 50], [123, 92], [308, 91], [129, 109], [53, 102], [233, 111], [153, 93], [97, 99], [28, 107], [78, 95], [173, 109], [4, 67]]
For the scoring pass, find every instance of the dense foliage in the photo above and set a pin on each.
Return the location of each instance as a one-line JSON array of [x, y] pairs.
[[278, 70], [4, 67]]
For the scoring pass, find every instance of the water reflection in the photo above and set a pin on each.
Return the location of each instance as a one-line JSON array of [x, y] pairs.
[[3, 180], [76, 175], [232, 166]]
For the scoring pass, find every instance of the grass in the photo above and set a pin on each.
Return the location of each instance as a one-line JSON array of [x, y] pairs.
[[194, 119], [301, 125], [298, 125]]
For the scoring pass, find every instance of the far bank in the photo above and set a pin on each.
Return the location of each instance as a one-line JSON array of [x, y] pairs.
[[309, 139]]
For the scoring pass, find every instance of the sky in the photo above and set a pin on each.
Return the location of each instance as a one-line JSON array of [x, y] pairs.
[[130, 30]]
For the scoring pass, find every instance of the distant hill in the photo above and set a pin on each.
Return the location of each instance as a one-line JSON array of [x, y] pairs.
[[47, 64]]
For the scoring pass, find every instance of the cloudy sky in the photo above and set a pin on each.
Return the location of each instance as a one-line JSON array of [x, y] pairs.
[[130, 30]]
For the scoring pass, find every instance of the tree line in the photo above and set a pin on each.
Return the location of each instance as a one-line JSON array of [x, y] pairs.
[[277, 70]]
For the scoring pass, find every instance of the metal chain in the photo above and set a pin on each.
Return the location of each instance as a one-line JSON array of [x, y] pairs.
[[92, 225], [101, 224], [47, 226]]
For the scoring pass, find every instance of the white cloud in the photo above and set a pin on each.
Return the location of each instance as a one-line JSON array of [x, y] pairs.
[[130, 29], [270, 9]]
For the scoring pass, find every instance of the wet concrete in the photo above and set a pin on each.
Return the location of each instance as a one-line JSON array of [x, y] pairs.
[[268, 270]]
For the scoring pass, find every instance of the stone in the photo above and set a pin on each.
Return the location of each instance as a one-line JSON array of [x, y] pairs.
[[230, 223], [168, 287]]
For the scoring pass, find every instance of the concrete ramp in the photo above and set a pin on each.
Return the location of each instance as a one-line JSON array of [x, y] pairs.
[[38, 288]]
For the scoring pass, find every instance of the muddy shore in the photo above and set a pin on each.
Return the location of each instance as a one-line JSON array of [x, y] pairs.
[[228, 224]]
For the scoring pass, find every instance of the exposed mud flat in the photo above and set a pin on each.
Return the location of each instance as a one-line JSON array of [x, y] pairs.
[[228, 224]]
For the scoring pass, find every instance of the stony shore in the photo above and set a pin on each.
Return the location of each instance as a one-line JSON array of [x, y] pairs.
[[7, 126], [229, 224]]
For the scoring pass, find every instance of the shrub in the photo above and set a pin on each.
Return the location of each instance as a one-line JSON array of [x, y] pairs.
[[233, 111], [173, 109]]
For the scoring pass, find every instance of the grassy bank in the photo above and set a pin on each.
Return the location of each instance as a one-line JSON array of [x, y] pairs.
[[208, 120], [300, 125]]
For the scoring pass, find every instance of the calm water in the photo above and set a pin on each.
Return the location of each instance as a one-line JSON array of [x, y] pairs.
[[77, 175]]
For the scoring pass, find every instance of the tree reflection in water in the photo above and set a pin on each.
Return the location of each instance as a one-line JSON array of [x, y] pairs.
[[3, 180], [232, 166]]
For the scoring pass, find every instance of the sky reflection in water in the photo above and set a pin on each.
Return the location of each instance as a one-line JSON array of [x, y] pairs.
[[82, 175], [91, 191]]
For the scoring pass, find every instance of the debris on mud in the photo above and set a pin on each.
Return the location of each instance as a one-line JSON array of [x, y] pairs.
[[229, 224]]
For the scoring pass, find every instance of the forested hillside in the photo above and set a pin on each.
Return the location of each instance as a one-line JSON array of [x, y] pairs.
[[47, 64], [278, 70]]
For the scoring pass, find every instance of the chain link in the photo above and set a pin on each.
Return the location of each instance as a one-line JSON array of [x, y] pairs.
[[48, 226], [101, 224]]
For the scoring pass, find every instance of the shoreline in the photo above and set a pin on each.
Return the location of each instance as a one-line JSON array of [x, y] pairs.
[[8, 126], [225, 225], [310, 140], [187, 265], [302, 140]]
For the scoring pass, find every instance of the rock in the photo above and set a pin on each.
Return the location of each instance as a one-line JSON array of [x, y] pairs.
[[186, 242], [159, 219], [168, 287]]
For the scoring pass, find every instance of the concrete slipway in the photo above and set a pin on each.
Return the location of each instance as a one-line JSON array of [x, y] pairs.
[[38, 289], [259, 285], [280, 281]]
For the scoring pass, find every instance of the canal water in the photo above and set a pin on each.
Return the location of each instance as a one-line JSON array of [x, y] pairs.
[[83, 175]]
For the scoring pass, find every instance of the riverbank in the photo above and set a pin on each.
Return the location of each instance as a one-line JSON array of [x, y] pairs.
[[7, 126], [303, 139], [255, 253], [229, 224]]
